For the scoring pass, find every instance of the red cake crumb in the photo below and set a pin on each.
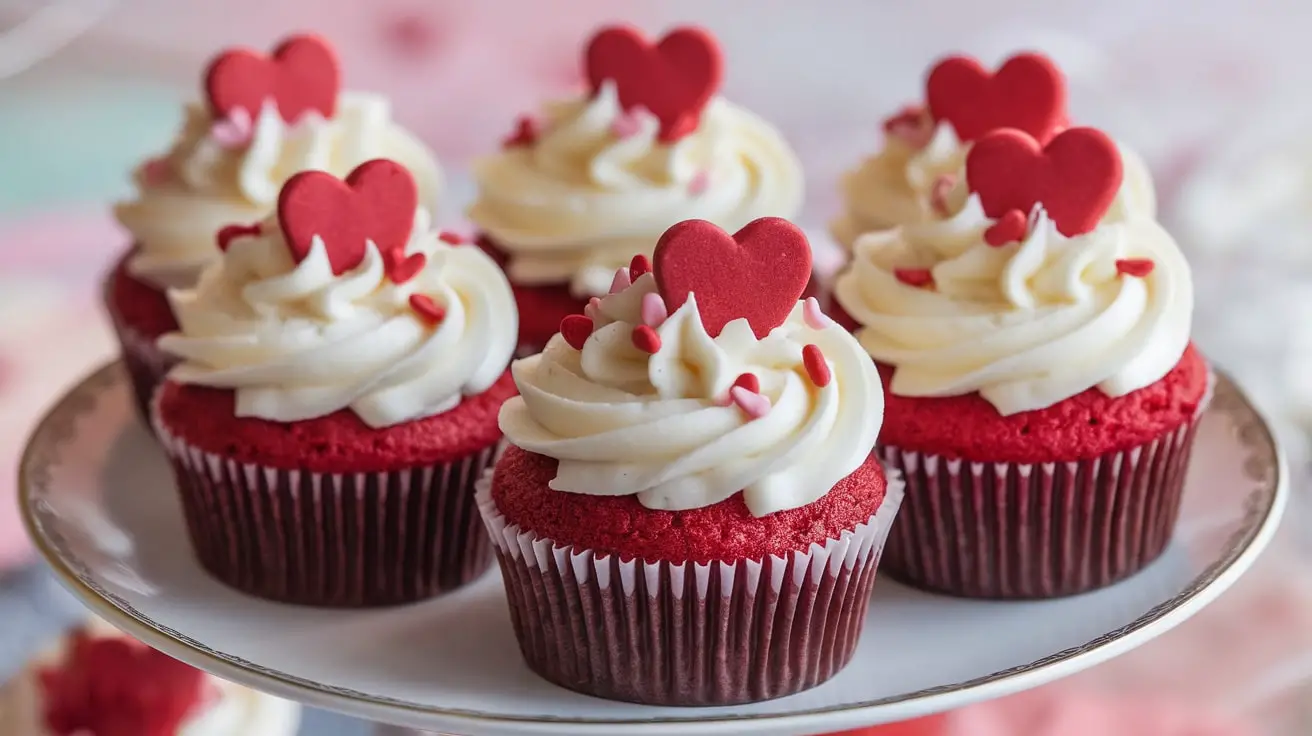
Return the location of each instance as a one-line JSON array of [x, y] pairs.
[[725, 531], [337, 443], [138, 304]]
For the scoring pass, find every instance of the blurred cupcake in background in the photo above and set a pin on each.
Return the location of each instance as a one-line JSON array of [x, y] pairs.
[[576, 192], [918, 175], [98, 682], [261, 120], [341, 369], [1042, 390]]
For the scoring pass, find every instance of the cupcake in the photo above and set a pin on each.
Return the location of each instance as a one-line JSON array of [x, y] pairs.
[[98, 682], [688, 511], [575, 193], [341, 369], [1042, 390], [916, 178], [262, 120]]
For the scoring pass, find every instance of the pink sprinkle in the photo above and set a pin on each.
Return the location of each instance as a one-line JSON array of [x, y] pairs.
[[593, 310], [813, 316], [938, 194], [699, 183], [627, 124], [621, 281], [753, 405], [912, 125], [654, 312], [156, 172], [234, 131], [451, 237]]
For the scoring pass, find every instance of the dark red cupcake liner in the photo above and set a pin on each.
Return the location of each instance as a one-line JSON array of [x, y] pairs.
[[1032, 531], [343, 540], [146, 364], [660, 633]]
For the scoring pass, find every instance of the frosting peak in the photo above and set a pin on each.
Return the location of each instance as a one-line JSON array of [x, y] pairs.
[[700, 418]]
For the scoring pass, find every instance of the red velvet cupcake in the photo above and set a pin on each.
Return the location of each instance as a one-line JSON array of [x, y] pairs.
[[574, 194], [689, 512], [341, 373], [1042, 393], [235, 150]]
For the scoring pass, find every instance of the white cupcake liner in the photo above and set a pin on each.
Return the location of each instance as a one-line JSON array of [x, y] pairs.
[[687, 634]]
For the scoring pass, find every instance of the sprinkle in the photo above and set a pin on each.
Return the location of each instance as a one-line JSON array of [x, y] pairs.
[[526, 133], [628, 123], [816, 367], [699, 183], [156, 172], [621, 281], [234, 131], [638, 266], [1139, 267], [754, 405], [429, 310], [917, 277], [813, 316], [401, 268], [593, 309], [576, 329], [646, 339], [451, 237], [229, 233], [938, 193], [1009, 228], [748, 381], [912, 125], [654, 312]]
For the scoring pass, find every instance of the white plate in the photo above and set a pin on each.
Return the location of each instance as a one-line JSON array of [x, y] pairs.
[[98, 502]]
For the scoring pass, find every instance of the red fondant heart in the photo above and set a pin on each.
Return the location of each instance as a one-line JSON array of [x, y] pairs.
[[1074, 177], [758, 272], [376, 202], [300, 76], [674, 79], [1027, 92]]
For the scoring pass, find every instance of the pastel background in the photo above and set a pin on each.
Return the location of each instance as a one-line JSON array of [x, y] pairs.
[[1209, 91]]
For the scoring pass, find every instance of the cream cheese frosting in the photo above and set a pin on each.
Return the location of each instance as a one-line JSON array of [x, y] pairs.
[[1025, 324], [297, 342], [661, 426], [896, 186], [232, 711], [598, 186], [203, 184]]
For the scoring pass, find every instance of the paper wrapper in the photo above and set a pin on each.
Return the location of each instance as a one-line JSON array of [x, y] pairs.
[[147, 365], [688, 634], [1018, 531], [332, 539]]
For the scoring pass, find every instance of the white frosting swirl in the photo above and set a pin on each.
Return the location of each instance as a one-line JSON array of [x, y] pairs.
[[205, 186], [296, 341], [235, 711], [895, 186], [581, 201], [1026, 324], [623, 422]]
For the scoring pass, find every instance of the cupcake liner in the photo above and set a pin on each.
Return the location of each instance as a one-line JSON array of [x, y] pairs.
[[146, 364], [688, 634], [343, 540], [1032, 531]]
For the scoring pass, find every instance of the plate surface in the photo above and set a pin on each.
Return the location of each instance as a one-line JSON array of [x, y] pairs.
[[98, 501]]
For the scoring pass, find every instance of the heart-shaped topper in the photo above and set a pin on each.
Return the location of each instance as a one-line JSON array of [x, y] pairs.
[[1075, 177], [1027, 92], [758, 273], [673, 79], [377, 202], [301, 76]]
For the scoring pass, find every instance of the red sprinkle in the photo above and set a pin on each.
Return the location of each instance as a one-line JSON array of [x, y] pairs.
[[401, 269], [748, 381], [816, 367], [911, 115], [576, 329], [914, 276], [424, 306], [450, 237], [646, 339], [526, 133], [1139, 267], [228, 233], [638, 266], [1009, 228]]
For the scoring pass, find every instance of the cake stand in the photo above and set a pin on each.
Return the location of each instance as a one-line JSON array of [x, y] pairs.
[[97, 499]]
